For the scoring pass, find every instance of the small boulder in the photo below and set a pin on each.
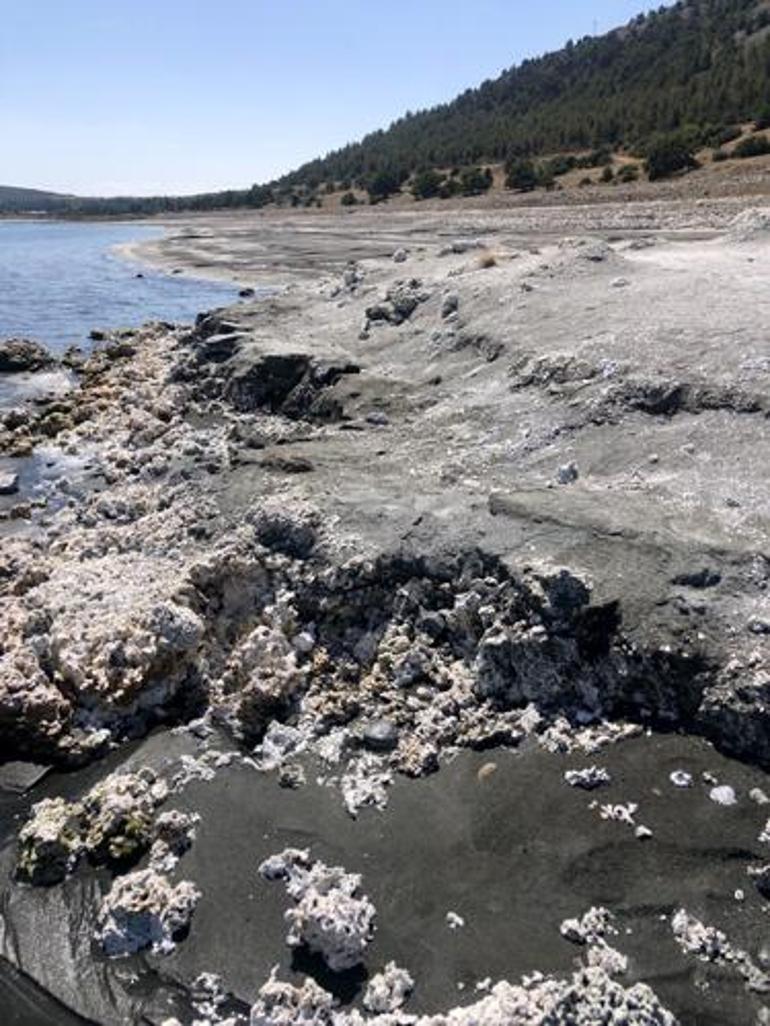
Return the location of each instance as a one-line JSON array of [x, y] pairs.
[[400, 256], [450, 304], [380, 736], [9, 484], [568, 473]]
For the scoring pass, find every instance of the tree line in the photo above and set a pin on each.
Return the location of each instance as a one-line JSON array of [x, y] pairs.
[[701, 63]]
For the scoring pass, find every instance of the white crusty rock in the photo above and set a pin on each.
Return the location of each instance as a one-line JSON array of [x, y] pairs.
[[681, 778], [590, 930], [118, 814], [590, 997], [723, 795], [621, 813], [388, 990], [113, 822], [50, 842], [145, 910], [589, 778], [365, 782], [174, 833], [596, 923], [329, 917], [708, 944], [283, 1004]]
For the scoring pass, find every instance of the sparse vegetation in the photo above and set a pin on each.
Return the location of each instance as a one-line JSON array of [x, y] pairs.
[[475, 180], [752, 146], [426, 184], [668, 155], [348, 199], [520, 175]]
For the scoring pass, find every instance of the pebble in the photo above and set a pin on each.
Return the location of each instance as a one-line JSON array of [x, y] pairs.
[[680, 778], [588, 779], [380, 736], [723, 795], [454, 921]]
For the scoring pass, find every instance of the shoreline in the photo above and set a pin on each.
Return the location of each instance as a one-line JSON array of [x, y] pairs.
[[452, 489]]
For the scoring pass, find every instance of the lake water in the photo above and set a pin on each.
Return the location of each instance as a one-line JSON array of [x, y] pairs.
[[58, 280]]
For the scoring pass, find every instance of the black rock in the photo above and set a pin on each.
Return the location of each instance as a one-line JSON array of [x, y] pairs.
[[704, 578]]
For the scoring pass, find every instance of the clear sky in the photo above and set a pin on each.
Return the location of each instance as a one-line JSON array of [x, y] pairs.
[[172, 96]]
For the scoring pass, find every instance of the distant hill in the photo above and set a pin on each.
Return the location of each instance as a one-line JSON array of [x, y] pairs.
[[698, 66], [13, 199]]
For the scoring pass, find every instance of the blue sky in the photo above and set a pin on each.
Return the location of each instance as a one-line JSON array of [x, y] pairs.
[[173, 96]]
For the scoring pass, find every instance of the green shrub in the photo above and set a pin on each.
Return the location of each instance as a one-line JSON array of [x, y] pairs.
[[607, 175], [348, 199], [521, 175], [383, 185], [475, 180], [585, 180], [762, 120], [596, 158], [426, 184], [669, 155], [719, 155], [560, 164], [628, 173], [450, 187], [717, 137], [752, 146]]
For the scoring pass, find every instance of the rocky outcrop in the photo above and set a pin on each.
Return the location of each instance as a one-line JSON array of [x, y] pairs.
[[19, 355]]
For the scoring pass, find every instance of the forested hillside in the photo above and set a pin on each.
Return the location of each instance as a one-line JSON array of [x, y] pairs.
[[699, 62], [697, 67]]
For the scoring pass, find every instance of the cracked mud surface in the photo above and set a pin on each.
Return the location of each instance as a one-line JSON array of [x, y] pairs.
[[394, 512]]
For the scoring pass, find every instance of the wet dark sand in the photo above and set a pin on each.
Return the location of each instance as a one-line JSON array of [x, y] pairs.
[[513, 852]]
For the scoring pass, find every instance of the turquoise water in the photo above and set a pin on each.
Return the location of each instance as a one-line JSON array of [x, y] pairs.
[[60, 279]]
